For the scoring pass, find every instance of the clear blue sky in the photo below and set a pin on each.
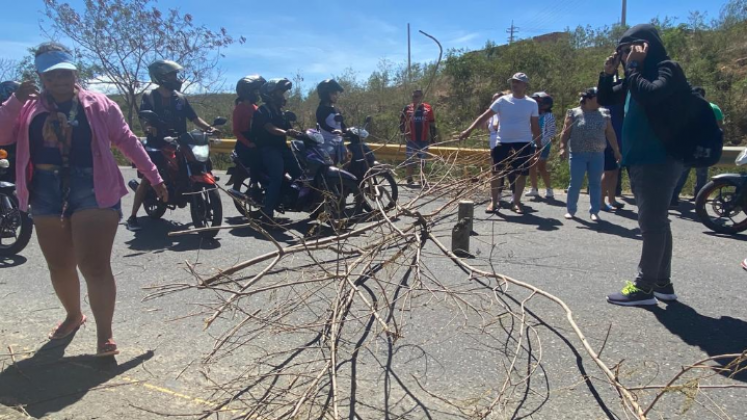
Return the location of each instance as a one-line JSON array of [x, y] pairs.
[[320, 39]]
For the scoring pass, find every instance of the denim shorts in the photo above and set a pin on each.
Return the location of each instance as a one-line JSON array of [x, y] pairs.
[[545, 154], [45, 193], [419, 148]]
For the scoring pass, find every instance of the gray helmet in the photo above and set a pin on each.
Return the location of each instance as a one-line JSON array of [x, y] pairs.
[[7, 89], [326, 87], [158, 71], [272, 86], [247, 84]]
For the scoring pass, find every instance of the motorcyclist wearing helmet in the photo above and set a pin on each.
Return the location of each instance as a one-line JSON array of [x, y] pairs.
[[270, 128], [548, 129], [173, 108], [247, 90], [330, 120], [7, 89]]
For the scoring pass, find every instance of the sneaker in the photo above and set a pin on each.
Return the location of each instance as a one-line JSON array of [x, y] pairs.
[[549, 194], [532, 193], [569, 216], [595, 217], [133, 225], [744, 264], [631, 295], [608, 208], [665, 292]]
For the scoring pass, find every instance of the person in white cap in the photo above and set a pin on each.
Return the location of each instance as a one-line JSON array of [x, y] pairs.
[[519, 127]]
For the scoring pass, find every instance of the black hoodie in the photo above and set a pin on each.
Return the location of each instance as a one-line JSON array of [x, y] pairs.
[[658, 84]]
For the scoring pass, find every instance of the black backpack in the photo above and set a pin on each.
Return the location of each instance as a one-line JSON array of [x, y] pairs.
[[701, 140]]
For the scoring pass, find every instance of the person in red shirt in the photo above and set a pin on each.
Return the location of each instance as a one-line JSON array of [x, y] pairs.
[[418, 124], [247, 90]]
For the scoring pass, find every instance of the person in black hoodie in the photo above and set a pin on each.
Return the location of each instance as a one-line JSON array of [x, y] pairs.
[[653, 91]]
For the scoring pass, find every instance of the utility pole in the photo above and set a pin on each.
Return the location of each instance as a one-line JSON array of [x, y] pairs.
[[624, 16], [409, 56], [512, 31]]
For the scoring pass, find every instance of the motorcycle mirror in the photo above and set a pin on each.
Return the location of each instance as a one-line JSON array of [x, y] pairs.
[[290, 116], [219, 121]]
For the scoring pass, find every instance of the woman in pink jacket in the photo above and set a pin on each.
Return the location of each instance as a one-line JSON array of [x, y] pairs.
[[68, 177]]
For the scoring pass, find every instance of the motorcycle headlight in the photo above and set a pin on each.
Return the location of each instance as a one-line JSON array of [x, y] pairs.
[[4, 164], [201, 153]]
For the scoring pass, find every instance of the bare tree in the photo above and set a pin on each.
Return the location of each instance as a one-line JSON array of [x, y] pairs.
[[120, 38], [9, 69]]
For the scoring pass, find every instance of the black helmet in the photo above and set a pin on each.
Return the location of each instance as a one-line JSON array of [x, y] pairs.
[[327, 87], [7, 89], [158, 71], [272, 86], [247, 85], [544, 98]]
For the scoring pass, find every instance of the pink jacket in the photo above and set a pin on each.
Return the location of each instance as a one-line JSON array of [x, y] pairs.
[[108, 126]]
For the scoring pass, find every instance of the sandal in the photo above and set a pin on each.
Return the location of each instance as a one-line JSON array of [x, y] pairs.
[[617, 205], [57, 334], [492, 208], [517, 209], [107, 349]]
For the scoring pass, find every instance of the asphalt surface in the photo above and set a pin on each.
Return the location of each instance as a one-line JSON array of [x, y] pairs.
[[159, 371]]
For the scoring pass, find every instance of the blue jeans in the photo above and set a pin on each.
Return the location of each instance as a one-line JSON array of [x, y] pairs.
[[277, 161], [701, 178], [591, 163]]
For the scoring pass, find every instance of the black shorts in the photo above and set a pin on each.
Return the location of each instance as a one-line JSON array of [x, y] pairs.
[[610, 164], [517, 155]]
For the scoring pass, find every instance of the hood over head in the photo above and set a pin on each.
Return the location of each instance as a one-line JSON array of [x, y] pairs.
[[649, 34]]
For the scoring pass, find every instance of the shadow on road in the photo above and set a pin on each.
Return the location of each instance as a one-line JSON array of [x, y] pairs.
[[736, 236], [545, 224], [12, 261], [715, 336], [48, 382], [608, 228], [155, 236]]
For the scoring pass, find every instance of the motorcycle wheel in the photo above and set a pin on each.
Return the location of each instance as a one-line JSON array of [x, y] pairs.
[[344, 203], [720, 205], [19, 223], [243, 206], [382, 186], [206, 209], [154, 208]]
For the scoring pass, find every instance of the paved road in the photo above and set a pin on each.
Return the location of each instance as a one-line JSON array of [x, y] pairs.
[[580, 262]]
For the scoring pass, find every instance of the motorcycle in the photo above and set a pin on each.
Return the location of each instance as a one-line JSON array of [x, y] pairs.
[[721, 204], [188, 176], [15, 225], [376, 180], [323, 187]]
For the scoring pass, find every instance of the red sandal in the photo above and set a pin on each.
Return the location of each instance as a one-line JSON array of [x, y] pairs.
[[56, 334], [107, 348]]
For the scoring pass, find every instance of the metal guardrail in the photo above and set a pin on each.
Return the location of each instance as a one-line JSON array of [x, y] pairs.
[[397, 152]]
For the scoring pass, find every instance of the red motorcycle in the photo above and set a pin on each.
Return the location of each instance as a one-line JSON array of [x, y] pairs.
[[188, 176]]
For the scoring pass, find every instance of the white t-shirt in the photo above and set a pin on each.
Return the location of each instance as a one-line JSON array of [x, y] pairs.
[[492, 122], [515, 115]]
